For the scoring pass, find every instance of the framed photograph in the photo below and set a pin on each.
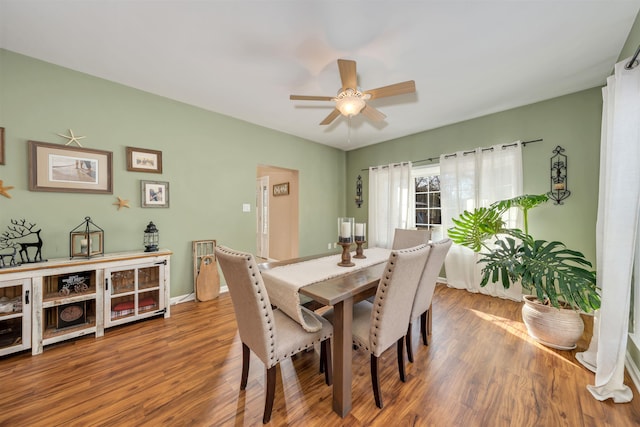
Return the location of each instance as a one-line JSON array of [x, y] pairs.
[[281, 189], [154, 194], [143, 160], [1, 146], [54, 167]]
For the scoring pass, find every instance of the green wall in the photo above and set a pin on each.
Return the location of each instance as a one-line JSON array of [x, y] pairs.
[[571, 121], [210, 161]]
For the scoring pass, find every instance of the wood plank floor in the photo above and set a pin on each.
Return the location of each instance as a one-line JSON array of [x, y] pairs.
[[481, 369]]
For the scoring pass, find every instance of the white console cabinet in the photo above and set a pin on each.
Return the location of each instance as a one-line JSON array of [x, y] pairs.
[[68, 298]]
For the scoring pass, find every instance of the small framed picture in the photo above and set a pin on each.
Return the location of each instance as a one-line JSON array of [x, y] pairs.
[[281, 189], [143, 160], [154, 194], [1, 146]]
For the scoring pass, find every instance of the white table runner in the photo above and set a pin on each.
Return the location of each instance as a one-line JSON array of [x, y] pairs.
[[283, 282]]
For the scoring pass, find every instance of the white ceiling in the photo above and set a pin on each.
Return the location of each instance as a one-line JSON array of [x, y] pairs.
[[244, 58]]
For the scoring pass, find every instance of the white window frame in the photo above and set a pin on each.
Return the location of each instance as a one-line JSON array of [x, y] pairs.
[[437, 231]]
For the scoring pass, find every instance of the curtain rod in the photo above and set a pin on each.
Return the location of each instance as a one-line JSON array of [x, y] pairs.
[[634, 60], [430, 159], [524, 144]]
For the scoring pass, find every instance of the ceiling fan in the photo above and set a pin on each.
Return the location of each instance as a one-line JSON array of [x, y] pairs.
[[350, 101]]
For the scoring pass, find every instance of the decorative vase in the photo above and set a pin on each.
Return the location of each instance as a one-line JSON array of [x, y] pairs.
[[553, 327]]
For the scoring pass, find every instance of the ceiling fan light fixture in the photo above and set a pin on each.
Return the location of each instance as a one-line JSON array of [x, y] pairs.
[[350, 102]]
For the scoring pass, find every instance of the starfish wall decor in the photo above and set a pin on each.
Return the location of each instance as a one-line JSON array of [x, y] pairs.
[[72, 138], [4, 190], [121, 203]]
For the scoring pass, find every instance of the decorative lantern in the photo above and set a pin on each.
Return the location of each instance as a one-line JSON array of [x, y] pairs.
[[151, 238], [86, 240]]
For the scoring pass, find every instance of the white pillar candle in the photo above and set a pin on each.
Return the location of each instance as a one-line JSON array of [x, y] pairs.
[[345, 230], [359, 229]]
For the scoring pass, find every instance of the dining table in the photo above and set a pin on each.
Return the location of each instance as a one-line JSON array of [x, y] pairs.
[[318, 278]]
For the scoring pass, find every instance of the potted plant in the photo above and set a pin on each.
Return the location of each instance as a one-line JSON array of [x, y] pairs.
[[560, 280]]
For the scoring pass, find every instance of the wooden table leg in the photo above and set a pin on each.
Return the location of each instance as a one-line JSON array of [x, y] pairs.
[[342, 343]]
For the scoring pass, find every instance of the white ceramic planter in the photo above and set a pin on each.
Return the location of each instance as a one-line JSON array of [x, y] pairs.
[[553, 327]]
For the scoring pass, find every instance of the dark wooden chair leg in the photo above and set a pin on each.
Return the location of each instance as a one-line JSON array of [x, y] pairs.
[[246, 353], [374, 381], [322, 357], [401, 358], [325, 354], [424, 328], [270, 389], [409, 344]]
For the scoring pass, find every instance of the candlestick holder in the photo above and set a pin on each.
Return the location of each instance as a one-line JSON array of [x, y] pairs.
[[359, 251], [346, 255]]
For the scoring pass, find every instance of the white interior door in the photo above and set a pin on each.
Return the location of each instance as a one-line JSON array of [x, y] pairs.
[[262, 215]]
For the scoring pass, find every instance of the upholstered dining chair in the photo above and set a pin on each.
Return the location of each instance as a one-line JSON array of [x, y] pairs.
[[403, 239], [377, 326], [269, 333], [424, 294]]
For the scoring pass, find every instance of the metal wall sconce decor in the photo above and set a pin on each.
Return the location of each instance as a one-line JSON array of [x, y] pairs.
[[151, 238], [86, 240], [559, 185], [359, 191]]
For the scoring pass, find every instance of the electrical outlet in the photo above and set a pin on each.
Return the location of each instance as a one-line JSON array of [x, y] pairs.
[[335, 245], [329, 246]]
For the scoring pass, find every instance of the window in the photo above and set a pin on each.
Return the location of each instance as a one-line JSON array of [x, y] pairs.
[[427, 203]]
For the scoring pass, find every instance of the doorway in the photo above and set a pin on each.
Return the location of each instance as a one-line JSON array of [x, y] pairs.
[[277, 212]]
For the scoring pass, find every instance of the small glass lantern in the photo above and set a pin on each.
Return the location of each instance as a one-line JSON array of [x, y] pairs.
[[345, 230], [86, 240], [151, 238]]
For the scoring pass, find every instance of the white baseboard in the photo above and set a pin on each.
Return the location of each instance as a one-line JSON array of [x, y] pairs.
[[183, 298], [192, 296]]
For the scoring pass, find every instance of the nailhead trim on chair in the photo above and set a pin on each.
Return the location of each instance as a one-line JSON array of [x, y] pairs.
[[272, 355]]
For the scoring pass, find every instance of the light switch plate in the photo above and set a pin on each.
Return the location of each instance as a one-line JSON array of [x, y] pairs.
[[246, 207]]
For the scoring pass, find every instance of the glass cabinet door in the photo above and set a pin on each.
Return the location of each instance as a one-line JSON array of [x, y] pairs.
[[15, 316], [133, 292]]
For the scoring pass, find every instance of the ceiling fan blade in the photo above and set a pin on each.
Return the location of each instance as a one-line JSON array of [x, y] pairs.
[[331, 117], [310, 98], [372, 113], [392, 90], [348, 74]]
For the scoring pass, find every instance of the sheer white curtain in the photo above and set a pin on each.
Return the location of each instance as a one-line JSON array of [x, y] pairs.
[[616, 232], [391, 202], [472, 180]]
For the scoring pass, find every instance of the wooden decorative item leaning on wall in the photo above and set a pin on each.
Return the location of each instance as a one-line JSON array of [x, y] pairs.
[[205, 270]]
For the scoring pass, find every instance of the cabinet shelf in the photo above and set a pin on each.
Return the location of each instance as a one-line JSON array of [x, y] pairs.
[[58, 300], [7, 316], [52, 335]]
